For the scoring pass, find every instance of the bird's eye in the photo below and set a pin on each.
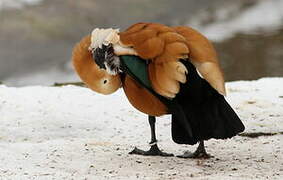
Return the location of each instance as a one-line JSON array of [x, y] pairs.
[[105, 81]]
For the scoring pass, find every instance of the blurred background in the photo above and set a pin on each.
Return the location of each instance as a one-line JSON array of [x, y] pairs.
[[37, 36]]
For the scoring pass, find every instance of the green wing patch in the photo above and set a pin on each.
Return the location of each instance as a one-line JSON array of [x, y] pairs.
[[137, 68]]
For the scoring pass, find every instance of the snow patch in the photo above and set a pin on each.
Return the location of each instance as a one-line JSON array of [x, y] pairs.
[[265, 15], [74, 133]]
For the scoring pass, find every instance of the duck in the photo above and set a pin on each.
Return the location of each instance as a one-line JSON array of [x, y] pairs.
[[163, 70]]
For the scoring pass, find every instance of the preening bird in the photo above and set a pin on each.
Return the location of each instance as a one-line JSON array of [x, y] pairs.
[[163, 70]]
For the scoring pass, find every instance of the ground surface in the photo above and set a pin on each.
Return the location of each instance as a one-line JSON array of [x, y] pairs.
[[72, 133]]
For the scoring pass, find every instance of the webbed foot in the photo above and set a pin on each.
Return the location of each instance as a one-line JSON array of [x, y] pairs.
[[195, 155], [153, 151], [200, 153]]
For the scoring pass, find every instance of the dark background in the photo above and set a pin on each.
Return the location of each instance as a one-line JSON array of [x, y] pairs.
[[36, 40]]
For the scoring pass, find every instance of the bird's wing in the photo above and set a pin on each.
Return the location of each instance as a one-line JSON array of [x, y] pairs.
[[164, 46], [204, 57]]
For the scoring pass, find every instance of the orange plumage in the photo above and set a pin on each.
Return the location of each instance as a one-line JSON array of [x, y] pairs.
[[142, 99], [164, 45], [163, 79], [94, 78]]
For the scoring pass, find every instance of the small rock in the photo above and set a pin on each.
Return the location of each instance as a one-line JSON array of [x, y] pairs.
[[251, 102], [110, 172]]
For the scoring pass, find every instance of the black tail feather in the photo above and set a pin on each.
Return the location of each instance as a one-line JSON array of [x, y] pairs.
[[207, 112], [198, 111]]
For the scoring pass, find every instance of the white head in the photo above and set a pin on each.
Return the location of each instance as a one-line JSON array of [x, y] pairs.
[[105, 37]]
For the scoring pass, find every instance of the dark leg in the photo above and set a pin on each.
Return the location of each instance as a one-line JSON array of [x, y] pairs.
[[154, 150], [200, 153]]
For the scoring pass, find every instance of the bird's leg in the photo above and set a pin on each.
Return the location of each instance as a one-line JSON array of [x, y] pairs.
[[154, 150], [200, 153]]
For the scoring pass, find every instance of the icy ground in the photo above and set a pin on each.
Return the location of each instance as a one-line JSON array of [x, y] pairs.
[[73, 133]]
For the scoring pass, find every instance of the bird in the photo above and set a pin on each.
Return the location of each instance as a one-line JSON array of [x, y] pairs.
[[162, 70]]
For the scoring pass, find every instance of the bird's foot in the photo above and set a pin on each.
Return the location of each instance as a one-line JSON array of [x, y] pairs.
[[196, 155], [153, 151], [200, 153]]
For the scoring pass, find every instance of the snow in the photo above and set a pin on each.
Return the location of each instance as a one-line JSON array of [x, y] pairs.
[[17, 3], [73, 133], [265, 15], [263, 103]]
